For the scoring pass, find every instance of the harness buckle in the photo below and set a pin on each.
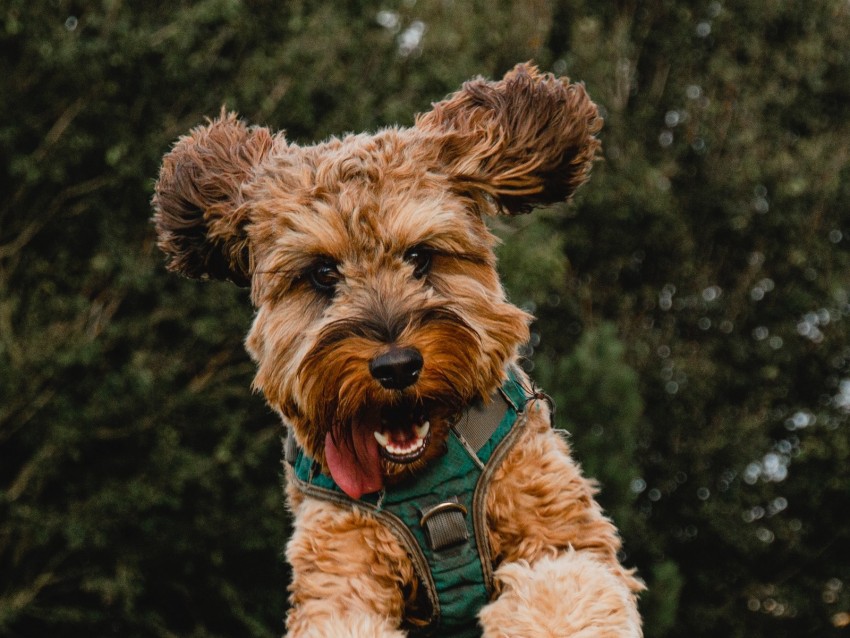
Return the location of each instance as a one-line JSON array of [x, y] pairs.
[[444, 524]]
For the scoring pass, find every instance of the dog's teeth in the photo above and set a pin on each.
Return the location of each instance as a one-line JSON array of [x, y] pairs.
[[381, 438], [398, 449], [408, 449], [422, 430]]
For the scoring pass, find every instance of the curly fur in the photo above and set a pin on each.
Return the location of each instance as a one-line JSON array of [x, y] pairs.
[[572, 594], [240, 203], [528, 139], [198, 200]]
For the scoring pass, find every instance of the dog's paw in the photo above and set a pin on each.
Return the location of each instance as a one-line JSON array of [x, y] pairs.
[[346, 626], [571, 596]]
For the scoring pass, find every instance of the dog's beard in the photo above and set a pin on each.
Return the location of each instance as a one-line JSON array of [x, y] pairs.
[[370, 435]]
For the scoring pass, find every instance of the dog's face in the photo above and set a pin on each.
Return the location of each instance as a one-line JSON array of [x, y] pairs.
[[380, 314]]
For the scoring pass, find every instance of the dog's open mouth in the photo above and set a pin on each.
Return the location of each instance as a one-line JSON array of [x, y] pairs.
[[382, 441], [404, 434]]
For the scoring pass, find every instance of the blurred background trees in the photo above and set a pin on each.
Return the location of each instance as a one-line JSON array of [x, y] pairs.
[[692, 304]]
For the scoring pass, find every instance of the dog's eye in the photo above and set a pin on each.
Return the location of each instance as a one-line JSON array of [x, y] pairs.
[[420, 257], [324, 276]]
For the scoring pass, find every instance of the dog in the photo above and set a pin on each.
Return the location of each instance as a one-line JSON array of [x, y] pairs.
[[430, 493]]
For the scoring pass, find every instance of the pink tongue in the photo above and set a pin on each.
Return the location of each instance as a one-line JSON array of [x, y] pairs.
[[358, 471]]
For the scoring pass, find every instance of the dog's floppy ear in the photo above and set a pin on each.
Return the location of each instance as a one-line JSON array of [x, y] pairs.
[[527, 139], [200, 213]]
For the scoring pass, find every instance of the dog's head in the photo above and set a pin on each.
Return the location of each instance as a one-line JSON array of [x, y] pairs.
[[380, 314]]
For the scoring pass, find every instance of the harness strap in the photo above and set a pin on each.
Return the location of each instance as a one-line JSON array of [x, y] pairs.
[[444, 524], [478, 424], [290, 446]]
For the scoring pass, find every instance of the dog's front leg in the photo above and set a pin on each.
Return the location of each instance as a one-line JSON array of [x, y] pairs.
[[559, 576], [348, 625], [347, 575], [573, 595]]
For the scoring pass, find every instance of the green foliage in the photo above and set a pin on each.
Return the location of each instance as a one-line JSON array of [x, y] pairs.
[[692, 304], [662, 602], [598, 403]]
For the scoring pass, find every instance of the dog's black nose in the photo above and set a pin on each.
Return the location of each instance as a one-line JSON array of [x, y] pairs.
[[397, 368]]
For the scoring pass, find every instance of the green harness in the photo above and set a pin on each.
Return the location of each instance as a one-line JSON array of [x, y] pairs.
[[440, 518]]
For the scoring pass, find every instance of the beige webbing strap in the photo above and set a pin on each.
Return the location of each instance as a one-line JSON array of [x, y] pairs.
[[290, 446], [477, 425], [444, 524]]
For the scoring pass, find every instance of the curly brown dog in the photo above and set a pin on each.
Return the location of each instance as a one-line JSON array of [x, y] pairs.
[[429, 491]]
